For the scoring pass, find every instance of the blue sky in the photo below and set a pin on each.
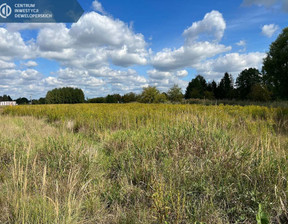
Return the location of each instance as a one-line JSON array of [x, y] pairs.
[[123, 46]]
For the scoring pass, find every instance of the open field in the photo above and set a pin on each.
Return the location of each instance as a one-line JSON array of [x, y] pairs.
[[138, 163]]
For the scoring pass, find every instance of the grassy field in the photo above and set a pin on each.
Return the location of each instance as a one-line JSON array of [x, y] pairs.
[[138, 163]]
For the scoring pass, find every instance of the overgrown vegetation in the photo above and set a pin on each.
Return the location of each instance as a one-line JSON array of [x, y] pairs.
[[138, 163]]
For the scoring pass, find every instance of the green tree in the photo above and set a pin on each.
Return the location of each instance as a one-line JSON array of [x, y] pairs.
[[129, 97], [209, 93], [196, 88], [160, 98], [275, 66], [41, 100], [175, 94], [66, 95], [97, 100], [246, 79], [22, 100], [115, 98], [225, 88], [149, 94], [214, 89], [5, 98], [259, 93]]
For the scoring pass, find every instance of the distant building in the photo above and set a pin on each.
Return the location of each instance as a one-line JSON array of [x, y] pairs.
[[8, 103]]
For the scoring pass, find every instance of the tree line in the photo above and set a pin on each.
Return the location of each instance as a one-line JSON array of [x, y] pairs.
[[66, 95], [248, 86]]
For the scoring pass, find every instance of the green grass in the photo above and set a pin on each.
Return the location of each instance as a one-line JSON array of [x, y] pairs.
[[143, 164]]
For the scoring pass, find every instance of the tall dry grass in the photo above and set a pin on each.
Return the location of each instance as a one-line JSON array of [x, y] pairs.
[[144, 164]]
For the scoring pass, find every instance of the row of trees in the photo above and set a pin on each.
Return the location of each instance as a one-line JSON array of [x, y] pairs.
[[5, 98], [249, 86], [19, 101], [149, 94], [272, 83]]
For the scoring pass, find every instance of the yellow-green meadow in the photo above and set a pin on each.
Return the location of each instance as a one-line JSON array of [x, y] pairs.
[[143, 163]]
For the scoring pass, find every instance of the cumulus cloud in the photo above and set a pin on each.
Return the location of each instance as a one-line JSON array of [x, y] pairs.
[[97, 6], [14, 27], [165, 80], [13, 46], [74, 76], [6, 65], [242, 43], [233, 63], [181, 73], [269, 30], [102, 81], [95, 40], [186, 56], [123, 57], [94, 29], [213, 25], [6, 75], [31, 74], [30, 64], [194, 51], [18, 83], [54, 38]]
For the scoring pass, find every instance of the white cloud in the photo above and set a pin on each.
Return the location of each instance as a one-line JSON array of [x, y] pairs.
[[97, 6], [100, 81], [75, 77], [51, 82], [6, 65], [8, 75], [165, 80], [13, 46], [94, 29], [213, 25], [159, 75], [31, 74], [95, 40], [269, 30], [193, 51], [182, 73], [14, 27], [64, 56], [186, 56], [123, 58], [30, 64], [22, 83], [54, 38], [241, 43], [232, 63]]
